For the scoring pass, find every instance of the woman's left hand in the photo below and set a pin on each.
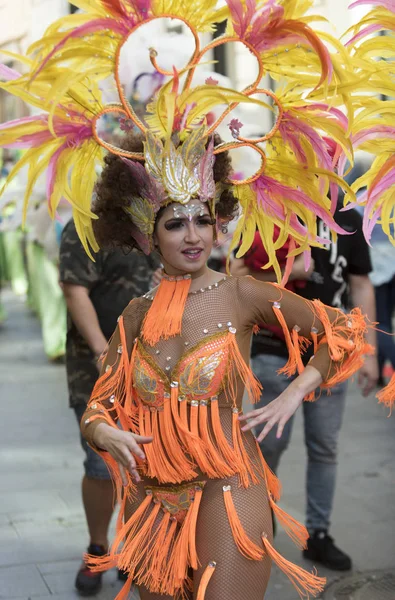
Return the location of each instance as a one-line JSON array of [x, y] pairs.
[[280, 410], [276, 413]]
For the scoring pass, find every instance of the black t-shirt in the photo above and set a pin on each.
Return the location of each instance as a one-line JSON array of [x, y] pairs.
[[113, 280], [349, 255], [329, 282]]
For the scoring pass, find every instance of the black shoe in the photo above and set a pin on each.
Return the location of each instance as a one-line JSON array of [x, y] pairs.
[[88, 582], [321, 549], [122, 575]]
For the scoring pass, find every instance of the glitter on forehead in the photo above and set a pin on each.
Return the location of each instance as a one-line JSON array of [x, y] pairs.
[[189, 211]]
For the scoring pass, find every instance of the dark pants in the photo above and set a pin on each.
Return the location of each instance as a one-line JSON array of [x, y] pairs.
[[385, 305], [322, 423]]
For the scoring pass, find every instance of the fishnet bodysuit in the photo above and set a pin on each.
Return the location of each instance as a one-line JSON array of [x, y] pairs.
[[238, 303]]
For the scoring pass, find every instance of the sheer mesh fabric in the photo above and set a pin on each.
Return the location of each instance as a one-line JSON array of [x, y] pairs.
[[235, 302], [238, 303]]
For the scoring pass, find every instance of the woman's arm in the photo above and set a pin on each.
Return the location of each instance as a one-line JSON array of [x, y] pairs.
[[105, 408], [338, 340]]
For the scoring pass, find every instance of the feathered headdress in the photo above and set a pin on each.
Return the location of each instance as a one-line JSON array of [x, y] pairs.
[[374, 125], [297, 157]]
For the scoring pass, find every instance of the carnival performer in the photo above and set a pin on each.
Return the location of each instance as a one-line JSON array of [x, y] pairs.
[[174, 377], [166, 412]]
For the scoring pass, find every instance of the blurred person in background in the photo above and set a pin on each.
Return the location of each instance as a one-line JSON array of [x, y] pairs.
[[336, 274], [383, 279], [382, 276], [96, 293]]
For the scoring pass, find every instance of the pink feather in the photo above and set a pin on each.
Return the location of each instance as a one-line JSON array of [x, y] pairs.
[[387, 181], [280, 191], [9, 124], [241, 17], [206, 174], [323, 110], [389, 4], [8, 74], [51, 171], [291, 130], [373, 133], [364, 32], [150, 189], [142, 240], [96, 25], [141, 7]]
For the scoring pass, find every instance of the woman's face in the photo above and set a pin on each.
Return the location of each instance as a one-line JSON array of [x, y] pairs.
[[184, 235]]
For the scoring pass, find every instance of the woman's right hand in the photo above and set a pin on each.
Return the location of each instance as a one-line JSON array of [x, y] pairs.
[[123, 447]]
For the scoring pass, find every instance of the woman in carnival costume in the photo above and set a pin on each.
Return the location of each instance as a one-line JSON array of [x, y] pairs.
[[195, 494]]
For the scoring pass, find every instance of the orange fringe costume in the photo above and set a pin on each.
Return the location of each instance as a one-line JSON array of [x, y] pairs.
[[186, 391]]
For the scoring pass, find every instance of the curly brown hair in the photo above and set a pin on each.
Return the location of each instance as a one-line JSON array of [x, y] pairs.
[[116, 185]]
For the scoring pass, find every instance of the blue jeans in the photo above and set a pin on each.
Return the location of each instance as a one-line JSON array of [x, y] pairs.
[[385, 306], [94, 465], [322, 422]]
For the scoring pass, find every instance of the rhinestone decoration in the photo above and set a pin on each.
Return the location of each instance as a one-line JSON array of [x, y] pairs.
[[157, 352], [203, 403], [277, 304], [189, 211], [166, 395], [174, 384], [296, 328], [214, 398], [176, 277], [227, 488], [108, 368], [167, 368], [219, 325], [87, 421], [168, 358], [94, 406], [235, 410], [212, 564], [349, 324], [229, 323], [205, 330], [209, 287], [118, 319], [314, 330], [195, 403], [232, 330], [119, 349], [181, 398], [112, 399], [148, 492], [186, 343]]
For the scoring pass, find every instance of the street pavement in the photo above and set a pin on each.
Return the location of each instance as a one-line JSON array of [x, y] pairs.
[[42, 526]]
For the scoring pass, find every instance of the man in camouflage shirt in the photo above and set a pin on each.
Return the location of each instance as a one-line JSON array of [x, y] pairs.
[[96, 294]]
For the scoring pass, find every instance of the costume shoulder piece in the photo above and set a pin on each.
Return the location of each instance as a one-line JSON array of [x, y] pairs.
[[315, 75]]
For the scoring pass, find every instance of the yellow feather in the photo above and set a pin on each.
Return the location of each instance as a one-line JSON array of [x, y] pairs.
[[202, 15], [38, 165]]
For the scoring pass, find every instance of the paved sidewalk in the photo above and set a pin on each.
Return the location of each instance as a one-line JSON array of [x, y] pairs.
[[42, 527]]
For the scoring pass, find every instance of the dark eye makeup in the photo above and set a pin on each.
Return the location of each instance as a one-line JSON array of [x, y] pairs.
[[178, 223]]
